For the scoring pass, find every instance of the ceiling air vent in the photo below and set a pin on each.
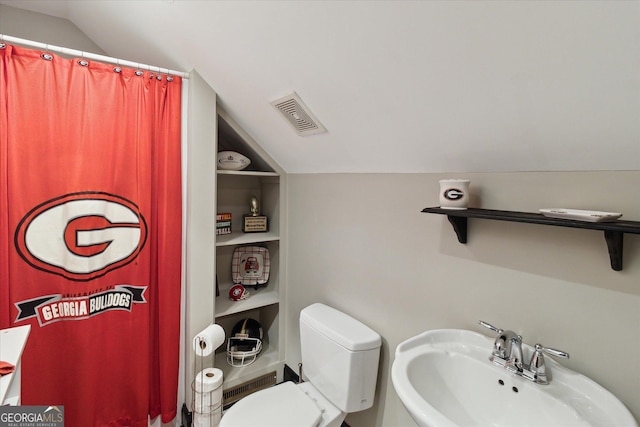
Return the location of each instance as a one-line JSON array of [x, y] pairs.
[[298, 115]]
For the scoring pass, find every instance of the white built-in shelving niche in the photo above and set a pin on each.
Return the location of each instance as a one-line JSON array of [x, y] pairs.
[[263, 179]]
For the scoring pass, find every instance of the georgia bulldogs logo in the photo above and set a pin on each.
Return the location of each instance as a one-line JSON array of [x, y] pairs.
[[453, 194], [81, 236]]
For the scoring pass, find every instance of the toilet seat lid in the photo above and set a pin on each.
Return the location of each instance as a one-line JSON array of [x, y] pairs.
[[284, 405]]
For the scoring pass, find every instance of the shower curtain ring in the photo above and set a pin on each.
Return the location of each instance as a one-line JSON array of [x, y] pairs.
[[82, 61], [46, 55], [117, 68]]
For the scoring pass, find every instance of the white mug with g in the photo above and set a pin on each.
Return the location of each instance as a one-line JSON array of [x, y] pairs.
[[454, 193]]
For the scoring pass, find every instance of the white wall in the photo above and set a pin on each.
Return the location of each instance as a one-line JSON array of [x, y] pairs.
[[200, 249], [360, 243], [44, 28]]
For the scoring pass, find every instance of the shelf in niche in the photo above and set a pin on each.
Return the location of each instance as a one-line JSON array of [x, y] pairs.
[[266, 361], [240, 238], [258, 298], [613, 230], [232, 137], [247, 173]]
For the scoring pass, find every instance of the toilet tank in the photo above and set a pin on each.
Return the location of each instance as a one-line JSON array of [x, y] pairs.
[[339, 357]]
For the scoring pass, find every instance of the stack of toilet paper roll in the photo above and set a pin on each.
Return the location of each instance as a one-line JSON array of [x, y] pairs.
[[207, 398]]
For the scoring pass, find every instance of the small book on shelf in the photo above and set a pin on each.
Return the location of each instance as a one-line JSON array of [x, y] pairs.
[[223, 223]]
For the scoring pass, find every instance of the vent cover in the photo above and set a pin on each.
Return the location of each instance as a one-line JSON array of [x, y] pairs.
[[298, 115], [236, 393]]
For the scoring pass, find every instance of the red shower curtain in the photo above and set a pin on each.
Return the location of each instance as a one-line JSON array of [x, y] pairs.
[[90, 219]]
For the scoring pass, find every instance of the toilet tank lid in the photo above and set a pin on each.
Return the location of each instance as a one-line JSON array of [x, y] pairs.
[[340, 327]]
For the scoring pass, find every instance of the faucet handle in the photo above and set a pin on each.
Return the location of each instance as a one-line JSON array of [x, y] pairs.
[[499, 353], [537, 369], [552, 351], [490, 326]]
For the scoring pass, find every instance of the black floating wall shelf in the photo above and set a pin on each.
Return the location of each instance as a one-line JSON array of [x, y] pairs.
[[613, 231]]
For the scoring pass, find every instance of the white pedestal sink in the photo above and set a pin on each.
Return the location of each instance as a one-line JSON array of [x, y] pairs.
[[445, 379]]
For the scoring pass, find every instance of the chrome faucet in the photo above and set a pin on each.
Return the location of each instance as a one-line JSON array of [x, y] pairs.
[[507, 352], [514, 354], [507, 348]]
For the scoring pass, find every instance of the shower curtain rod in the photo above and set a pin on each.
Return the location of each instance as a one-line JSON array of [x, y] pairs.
[[88, 55]]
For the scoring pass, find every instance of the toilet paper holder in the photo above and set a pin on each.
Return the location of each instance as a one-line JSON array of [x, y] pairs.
[[206, 387]]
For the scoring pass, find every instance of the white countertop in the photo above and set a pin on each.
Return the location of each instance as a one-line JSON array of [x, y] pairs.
[[12, 343]]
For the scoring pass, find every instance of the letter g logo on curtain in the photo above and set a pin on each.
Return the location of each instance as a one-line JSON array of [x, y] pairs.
[[81, 236]]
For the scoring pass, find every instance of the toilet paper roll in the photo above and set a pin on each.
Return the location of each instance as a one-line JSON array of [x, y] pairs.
[[202, 420], [205, 403], [207, 420], [208, 340], [208, 380]]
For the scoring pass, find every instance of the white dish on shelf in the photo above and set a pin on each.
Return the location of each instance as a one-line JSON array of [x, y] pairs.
[[580, 215], [250, 265]]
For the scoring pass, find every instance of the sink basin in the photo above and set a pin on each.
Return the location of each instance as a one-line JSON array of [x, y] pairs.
[[444, 378]]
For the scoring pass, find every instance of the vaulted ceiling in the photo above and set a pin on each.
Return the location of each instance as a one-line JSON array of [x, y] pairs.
[[402, 86]]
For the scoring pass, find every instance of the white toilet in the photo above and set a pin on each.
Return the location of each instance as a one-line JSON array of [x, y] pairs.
[[340, 363]]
